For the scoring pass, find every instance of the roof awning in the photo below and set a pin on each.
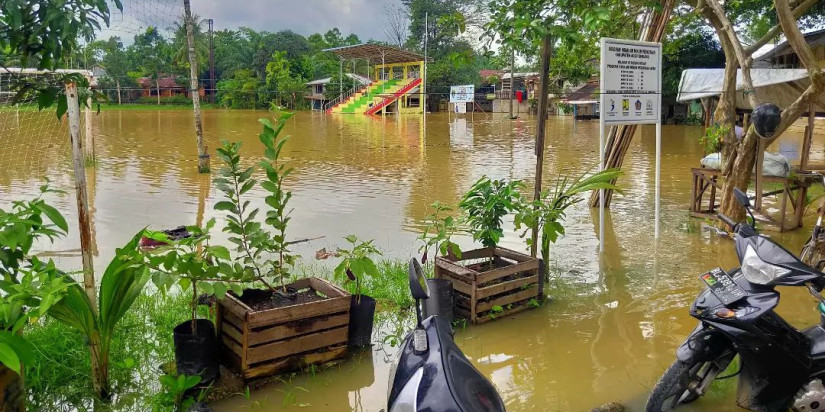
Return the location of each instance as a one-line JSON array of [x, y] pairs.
[[376, 53], [778, 86], [320, 81]]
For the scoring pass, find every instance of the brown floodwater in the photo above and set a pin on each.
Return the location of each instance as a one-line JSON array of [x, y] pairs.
[[614, 319]]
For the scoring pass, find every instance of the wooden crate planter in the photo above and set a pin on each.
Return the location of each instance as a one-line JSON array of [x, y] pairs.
[[510, 285], [266, 342]]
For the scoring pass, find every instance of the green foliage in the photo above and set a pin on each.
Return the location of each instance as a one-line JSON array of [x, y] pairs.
[[486, 204], [438, 231], [240, 91], [713, 137], [691, 49], [172, 396], [121, 284], [192, 263], [547, 212], [28, 285], [37, 32], [260, 254], [356, 262]]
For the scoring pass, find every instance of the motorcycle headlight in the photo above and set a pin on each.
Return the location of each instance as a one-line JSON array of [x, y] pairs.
[[758, 271]]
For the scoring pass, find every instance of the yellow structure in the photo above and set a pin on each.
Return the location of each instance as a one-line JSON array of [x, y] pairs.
[[397, 87]]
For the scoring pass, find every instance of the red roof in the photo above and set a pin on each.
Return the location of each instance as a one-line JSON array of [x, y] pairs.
[[487, 73], [163, 82]]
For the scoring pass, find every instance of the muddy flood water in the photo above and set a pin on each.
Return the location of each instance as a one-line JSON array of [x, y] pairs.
[[613, 321]]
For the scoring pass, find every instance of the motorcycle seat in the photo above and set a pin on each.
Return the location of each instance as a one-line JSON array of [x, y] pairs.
[[472, 390]]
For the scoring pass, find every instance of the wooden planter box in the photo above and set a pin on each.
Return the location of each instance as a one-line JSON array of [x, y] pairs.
[[510, 285], [263, 343]]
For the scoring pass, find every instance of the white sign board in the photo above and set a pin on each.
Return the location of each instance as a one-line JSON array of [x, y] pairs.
[[462, 94], [631, 93], [631, 81]]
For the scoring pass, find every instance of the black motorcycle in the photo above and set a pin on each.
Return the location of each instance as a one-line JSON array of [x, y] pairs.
[[780, 367], [431, 373]]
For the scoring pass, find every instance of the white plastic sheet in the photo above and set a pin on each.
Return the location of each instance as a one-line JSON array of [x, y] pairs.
[[778, 86]]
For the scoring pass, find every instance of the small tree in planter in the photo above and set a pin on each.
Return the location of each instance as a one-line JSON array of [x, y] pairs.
[[546, 212], [193, 264], [357, 264], [438, 233], [486, 204], [503, 281], [284, 326]]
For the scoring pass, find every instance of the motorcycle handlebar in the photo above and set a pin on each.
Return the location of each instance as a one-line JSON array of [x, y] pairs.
[[727, 220]]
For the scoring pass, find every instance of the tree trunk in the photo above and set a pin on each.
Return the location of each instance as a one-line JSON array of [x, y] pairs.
[[512, 78], [157, 87], [203, 156], [117, 82], [100, 366]]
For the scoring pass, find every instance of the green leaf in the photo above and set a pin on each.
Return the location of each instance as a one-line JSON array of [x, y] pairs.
[[62, 106], [226, 206], [219, 252], [53, 215], [9, 357]]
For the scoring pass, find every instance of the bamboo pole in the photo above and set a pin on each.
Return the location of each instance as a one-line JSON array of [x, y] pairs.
[[512, 77], [83, 218], [546, 50]]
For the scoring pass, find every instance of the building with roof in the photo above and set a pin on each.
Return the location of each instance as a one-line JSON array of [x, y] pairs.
[[783, 56], [165, 86], [398, 83]]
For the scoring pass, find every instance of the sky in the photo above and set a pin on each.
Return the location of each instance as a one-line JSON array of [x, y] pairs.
[[305, 17]]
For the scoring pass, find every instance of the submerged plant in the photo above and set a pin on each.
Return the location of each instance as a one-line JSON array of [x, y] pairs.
[[438, 232], [356, 263], [120, 286], [262, 255], [713, 137], [28, 285], [546, 213]]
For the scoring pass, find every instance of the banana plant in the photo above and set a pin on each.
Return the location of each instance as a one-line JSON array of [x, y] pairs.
[[121, 284], [547, 212]]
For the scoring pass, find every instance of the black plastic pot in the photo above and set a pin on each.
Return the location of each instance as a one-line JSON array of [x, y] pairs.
[[361, 317], [197, 354], [440, 301]]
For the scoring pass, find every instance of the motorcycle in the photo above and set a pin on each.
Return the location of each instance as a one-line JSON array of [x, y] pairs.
[[780, 367], [431, 373]]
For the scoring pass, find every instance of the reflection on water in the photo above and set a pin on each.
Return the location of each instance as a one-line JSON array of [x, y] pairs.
[[614, 320]]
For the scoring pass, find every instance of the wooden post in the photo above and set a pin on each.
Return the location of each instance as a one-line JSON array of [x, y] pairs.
[[203, 156], [83, 218], [807, 140], [540, 124], [88, 136]]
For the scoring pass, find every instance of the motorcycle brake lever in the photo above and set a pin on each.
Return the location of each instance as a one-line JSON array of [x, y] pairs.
[[814, 292]]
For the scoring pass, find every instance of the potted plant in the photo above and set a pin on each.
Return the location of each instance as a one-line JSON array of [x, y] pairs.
[[545, 213], [356, 265], [28, 285], [490, 281], [282, 325], [193, 264], [438, 232]]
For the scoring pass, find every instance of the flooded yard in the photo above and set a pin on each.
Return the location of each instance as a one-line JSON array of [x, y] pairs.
[[613, 321]]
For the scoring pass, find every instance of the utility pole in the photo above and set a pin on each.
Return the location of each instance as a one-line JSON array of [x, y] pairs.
[[512, 78], [211, 59]]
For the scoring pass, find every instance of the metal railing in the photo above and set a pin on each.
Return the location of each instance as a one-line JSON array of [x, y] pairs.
[[342, 98]]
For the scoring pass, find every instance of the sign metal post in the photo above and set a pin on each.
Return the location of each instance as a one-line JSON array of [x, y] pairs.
[[631, 93]]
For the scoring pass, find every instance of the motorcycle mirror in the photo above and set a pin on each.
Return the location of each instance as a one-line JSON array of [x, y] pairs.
[[418, 283], [765, 119], [742, 197]]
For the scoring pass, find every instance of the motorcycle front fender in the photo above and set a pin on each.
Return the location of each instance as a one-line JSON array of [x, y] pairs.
[[704, 344]]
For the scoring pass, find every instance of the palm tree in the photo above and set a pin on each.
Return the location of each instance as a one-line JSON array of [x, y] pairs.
[[180, 45]]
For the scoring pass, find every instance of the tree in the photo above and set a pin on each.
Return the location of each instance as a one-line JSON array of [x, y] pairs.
[[179, 43], [116, 63], [396, 23], [151, 55], [738, 155]]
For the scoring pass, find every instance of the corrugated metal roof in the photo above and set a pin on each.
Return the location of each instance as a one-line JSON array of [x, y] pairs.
[[814, 39]]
